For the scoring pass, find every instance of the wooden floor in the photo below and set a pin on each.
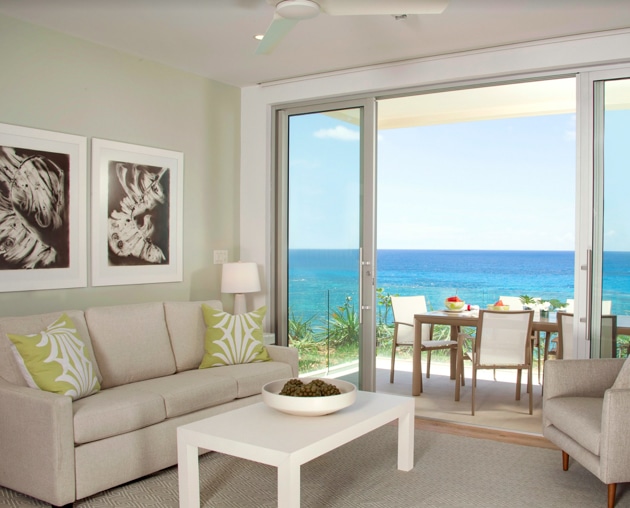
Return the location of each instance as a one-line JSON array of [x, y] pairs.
[[484, 433]]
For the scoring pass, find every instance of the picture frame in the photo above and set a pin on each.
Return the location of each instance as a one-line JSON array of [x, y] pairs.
[[137, 214], [43, 209]]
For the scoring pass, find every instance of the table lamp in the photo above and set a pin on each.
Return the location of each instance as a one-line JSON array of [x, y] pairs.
[[240, 278]]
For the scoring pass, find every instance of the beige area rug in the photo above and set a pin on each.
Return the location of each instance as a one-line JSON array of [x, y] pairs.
[[450, 471], [496, 406]]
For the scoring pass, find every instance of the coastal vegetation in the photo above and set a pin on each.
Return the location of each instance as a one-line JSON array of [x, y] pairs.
[[324, 342]]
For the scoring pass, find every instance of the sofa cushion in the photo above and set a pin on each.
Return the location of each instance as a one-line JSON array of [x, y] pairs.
[[251, 377], [115, 411], [232, 340], [187, 331], [130, 342], [24, 325], [189, 391], [623, 378], [580, 418], [56, 360]]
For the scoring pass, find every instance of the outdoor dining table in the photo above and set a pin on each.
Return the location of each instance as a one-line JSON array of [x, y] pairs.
[[456, 320]]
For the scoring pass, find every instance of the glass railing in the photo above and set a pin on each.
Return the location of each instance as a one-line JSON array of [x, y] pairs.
[[324, 325]]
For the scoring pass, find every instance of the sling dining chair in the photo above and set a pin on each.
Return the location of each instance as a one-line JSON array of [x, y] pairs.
[[516, 303], [404, 308], [503, 341], [608, 337]]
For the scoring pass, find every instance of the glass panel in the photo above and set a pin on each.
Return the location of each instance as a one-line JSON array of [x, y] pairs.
[[476, 198], [324, 189], [615, 289]]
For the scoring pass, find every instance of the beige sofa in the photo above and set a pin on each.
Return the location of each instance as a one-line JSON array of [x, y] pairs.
[[146, 358]]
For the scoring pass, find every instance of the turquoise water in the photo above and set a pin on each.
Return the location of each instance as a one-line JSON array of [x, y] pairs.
[[323, 279]]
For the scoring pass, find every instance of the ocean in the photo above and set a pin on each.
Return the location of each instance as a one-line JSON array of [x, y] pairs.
[[320, 280]]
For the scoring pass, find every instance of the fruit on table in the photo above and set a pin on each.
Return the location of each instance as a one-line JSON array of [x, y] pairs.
[[499, 303], [454, 299]]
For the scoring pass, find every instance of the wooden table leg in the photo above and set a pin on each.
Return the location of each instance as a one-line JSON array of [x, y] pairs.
[[416, 375], [454, 335]]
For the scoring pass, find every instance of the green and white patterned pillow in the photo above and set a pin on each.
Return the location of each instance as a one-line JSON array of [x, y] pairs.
[[232, 340], [56, 360]]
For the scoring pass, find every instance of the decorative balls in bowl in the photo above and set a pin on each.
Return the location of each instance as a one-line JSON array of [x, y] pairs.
[[309, 396], [454, 303]]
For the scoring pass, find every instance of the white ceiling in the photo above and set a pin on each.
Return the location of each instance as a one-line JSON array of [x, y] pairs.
[[214, 38]]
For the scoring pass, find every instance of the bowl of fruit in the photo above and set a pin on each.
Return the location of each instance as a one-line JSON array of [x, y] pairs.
[[309, 396], [454, 304], [498, 305]]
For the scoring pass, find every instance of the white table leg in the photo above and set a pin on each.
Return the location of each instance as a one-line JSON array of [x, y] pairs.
[[188, 473], [405, 439], [289, 485]]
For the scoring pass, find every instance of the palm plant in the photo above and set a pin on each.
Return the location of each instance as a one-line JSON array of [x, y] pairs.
[[342, 328], [301, 337], [384, 330]]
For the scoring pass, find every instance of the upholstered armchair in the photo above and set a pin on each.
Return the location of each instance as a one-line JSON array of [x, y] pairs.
[[586, 404]]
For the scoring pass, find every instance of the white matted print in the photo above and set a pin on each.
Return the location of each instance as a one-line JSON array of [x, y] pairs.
[[137, 212], [43, 209]]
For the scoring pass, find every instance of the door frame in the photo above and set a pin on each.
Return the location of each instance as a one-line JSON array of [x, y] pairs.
[[367, 240], [589, 210]]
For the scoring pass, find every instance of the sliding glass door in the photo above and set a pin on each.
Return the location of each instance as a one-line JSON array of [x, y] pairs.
[[610, 294], [327, 245]]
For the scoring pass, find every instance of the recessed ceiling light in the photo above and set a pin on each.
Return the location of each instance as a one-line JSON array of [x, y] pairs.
[[259, 37]]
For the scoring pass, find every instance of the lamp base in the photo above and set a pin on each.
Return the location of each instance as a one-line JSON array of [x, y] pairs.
[[240, 305]]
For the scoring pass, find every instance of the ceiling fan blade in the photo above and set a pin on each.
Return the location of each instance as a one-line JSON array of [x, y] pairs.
[[381, 7], [275, 33]]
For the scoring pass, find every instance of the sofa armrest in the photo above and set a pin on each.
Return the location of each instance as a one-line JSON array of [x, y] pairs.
[[37, 443], [579, 378], [285, 354], [615, 440]]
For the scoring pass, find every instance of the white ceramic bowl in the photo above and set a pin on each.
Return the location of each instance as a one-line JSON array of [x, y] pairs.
[[498, 307], [309, 406], [454, 305]]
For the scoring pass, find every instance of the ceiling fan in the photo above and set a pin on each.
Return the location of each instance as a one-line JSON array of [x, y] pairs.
[[290, 12]]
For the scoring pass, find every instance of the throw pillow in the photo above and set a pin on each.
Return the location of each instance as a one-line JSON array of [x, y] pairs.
[[623, 378], [232, 340], [56, 360]]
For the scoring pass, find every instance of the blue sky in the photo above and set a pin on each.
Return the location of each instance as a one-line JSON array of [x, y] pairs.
[[498, 184]]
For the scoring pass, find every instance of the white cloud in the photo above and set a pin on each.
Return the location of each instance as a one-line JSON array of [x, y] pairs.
[[340, 132]]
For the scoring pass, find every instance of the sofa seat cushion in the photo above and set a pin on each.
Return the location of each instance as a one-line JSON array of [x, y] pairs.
[[131, 342], [115, 411], [580, 418], [251, 377], [190, 391]]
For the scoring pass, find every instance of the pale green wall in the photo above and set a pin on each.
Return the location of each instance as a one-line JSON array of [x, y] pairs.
[[54, 82]]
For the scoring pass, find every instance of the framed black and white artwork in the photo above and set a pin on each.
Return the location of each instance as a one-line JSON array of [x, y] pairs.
[[137, 193], [43, 209]]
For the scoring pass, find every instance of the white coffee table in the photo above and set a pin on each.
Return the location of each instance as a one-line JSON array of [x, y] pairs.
[[264, 435]]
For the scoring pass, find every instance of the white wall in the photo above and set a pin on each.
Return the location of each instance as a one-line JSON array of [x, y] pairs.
[[570, 55], [54, 82]]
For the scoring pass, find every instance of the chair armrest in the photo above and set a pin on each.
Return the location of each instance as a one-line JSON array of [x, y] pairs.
[[579, 378], [37, 443], [615, 442], [285, 354]]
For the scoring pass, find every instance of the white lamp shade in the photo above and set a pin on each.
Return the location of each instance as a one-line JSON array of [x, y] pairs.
[[240, 278]]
